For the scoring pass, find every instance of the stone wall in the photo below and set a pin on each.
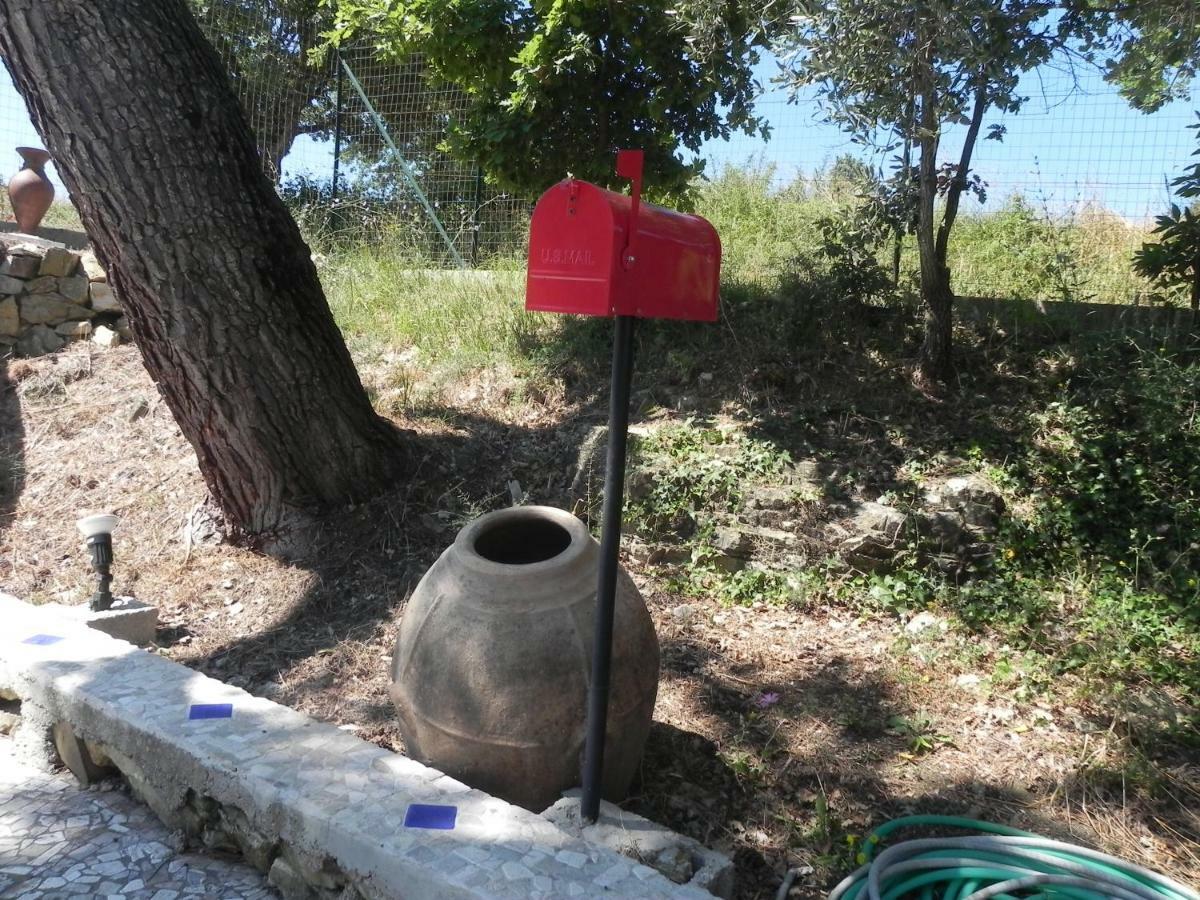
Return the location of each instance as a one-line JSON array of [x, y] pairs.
[[50, 295]]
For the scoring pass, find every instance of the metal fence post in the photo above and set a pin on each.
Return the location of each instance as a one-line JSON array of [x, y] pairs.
[[337, 124]]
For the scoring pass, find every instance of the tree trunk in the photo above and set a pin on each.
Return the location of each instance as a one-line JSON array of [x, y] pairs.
[[220, 289], [937, 350]]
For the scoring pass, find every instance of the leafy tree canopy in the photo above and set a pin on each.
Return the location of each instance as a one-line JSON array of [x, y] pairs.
[[869, 59], [1149, 48], [556, 86]]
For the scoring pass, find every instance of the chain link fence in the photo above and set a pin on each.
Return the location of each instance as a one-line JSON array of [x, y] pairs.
[[356, 145], [355, 142]]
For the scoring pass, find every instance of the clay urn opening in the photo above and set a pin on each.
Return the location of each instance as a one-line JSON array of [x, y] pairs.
[[522, 541]]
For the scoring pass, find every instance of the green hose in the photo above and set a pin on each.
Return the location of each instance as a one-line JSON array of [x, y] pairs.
[[1003, 863]]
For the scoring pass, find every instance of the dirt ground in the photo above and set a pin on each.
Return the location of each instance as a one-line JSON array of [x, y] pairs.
[[781, 735]]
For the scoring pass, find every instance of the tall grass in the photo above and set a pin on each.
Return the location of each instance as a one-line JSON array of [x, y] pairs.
[[384, 290], [769, 231], [467, 318]]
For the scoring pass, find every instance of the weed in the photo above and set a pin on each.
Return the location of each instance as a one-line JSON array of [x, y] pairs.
[[920, 732]]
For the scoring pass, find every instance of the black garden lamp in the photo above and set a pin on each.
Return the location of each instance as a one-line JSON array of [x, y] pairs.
[[97, 532]]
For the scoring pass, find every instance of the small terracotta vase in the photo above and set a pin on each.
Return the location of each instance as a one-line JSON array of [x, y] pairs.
[[30, 191]]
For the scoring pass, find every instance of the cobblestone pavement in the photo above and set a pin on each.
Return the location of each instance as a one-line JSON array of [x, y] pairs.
[[59, 841]]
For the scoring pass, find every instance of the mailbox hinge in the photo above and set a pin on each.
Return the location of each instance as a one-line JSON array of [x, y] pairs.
[[630, 164]]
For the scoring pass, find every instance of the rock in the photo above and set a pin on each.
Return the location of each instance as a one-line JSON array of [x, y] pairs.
[[1150, 710], [945, 528], [775, 497], [807, 478], [74, 288], [675, 863], [59, 261], [727, 563], [91, 267], [667, 555], [973, 497], [105, 337], [25, 267], [638, 485], [43, 284], [10, 318], [103, 298], [876, 533], [50, 309], [10, 285], [38, 341], [122, 326], [35, 248], [732, 542], [684, 612], [924, 622], [77, 331]]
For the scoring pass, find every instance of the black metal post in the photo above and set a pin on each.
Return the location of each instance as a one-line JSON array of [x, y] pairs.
[[337, 124], [606, 584]]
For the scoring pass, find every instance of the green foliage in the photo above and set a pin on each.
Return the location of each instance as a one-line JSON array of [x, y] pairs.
[[1118, 456], [1020, 253], [1150, 49], [1101, 571], [890, 71], [693, 470], [268, 54], [1174, 259], [556, 86], [451, 319], [920, 732]]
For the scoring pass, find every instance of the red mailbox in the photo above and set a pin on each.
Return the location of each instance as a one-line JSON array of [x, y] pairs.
[[598, 253]]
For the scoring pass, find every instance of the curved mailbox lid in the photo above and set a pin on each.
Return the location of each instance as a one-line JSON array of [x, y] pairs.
[[576, 242]]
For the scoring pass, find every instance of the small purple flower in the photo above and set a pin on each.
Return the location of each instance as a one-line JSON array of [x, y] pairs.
[[766, 700]]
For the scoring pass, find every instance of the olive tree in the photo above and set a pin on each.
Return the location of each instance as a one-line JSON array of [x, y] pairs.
[[889, 71]]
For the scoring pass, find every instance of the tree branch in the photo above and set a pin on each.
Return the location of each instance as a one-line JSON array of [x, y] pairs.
[[959, 183]]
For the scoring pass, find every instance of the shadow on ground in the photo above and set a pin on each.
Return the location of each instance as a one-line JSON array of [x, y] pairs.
[[12, 446]]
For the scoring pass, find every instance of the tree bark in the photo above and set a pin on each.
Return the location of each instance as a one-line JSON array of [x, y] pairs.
[[218, 285], [937, 349]]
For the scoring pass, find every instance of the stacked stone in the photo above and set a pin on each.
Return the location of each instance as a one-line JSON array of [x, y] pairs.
[[50, 295]]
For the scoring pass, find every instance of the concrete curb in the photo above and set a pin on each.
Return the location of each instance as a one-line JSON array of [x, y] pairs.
[[325, 813]]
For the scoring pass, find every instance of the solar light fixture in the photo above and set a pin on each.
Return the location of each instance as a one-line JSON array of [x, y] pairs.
[[97, 531]]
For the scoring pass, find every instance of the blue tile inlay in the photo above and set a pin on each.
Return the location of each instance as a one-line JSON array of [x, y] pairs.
[[42, 640], [429, 815], [211, 711]]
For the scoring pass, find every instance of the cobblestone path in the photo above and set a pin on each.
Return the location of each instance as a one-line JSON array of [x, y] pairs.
[[57, 840]]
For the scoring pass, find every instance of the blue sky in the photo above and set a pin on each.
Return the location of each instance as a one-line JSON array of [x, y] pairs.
[[1069, 148]]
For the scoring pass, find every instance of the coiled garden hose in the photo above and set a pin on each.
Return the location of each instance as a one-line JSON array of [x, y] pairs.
[[1002, 863]]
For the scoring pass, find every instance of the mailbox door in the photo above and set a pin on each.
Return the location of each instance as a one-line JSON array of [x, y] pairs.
[[676, 270], [573, 246]]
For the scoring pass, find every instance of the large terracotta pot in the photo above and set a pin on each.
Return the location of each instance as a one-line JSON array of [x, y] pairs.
[[493, 660], [30, 191]]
